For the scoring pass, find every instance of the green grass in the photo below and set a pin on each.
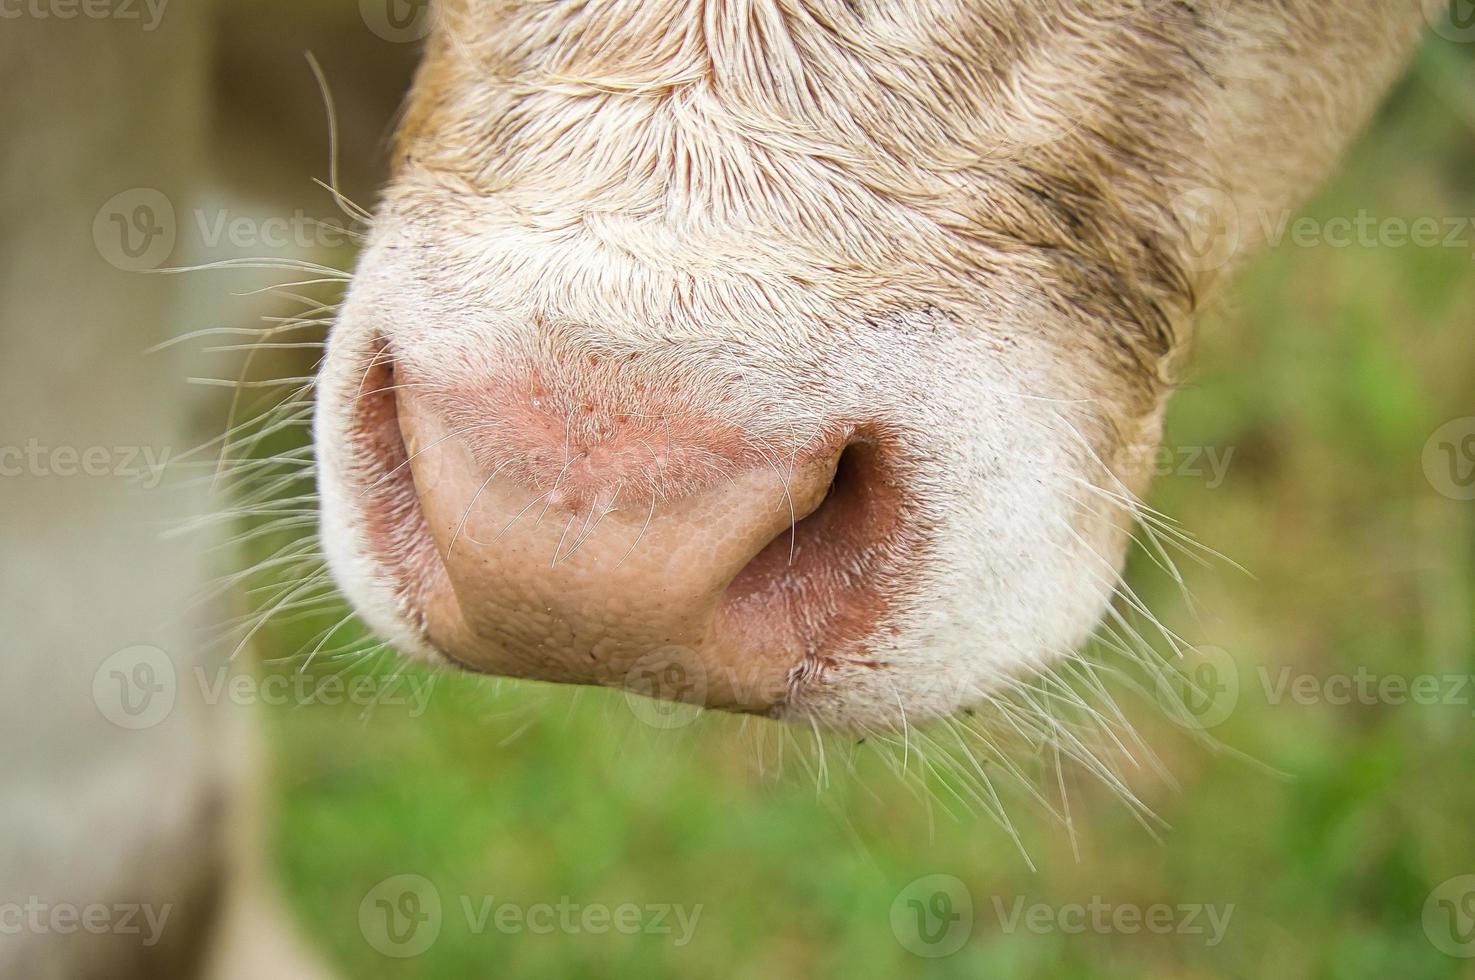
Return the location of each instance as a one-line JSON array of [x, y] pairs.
[[1325, 826]]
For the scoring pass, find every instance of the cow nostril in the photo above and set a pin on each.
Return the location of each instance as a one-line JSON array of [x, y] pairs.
[[841, 497], [377, 466], [378, 441], [847, 482], [797, 544], [820, 576]]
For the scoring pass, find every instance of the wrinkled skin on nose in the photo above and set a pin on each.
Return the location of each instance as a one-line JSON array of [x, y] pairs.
[[580, 581]]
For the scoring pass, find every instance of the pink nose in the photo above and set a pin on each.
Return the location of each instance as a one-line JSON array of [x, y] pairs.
[[609, 534]]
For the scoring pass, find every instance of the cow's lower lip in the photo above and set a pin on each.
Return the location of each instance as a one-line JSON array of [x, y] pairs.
[[811, 599]]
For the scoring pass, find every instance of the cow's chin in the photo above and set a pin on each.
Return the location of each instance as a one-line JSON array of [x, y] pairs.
[[862, 527]]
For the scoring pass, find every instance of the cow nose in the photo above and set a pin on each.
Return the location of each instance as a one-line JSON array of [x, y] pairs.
[[588, 543]]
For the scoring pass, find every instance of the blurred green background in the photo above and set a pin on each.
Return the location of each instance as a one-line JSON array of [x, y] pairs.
[[1317, 385]]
